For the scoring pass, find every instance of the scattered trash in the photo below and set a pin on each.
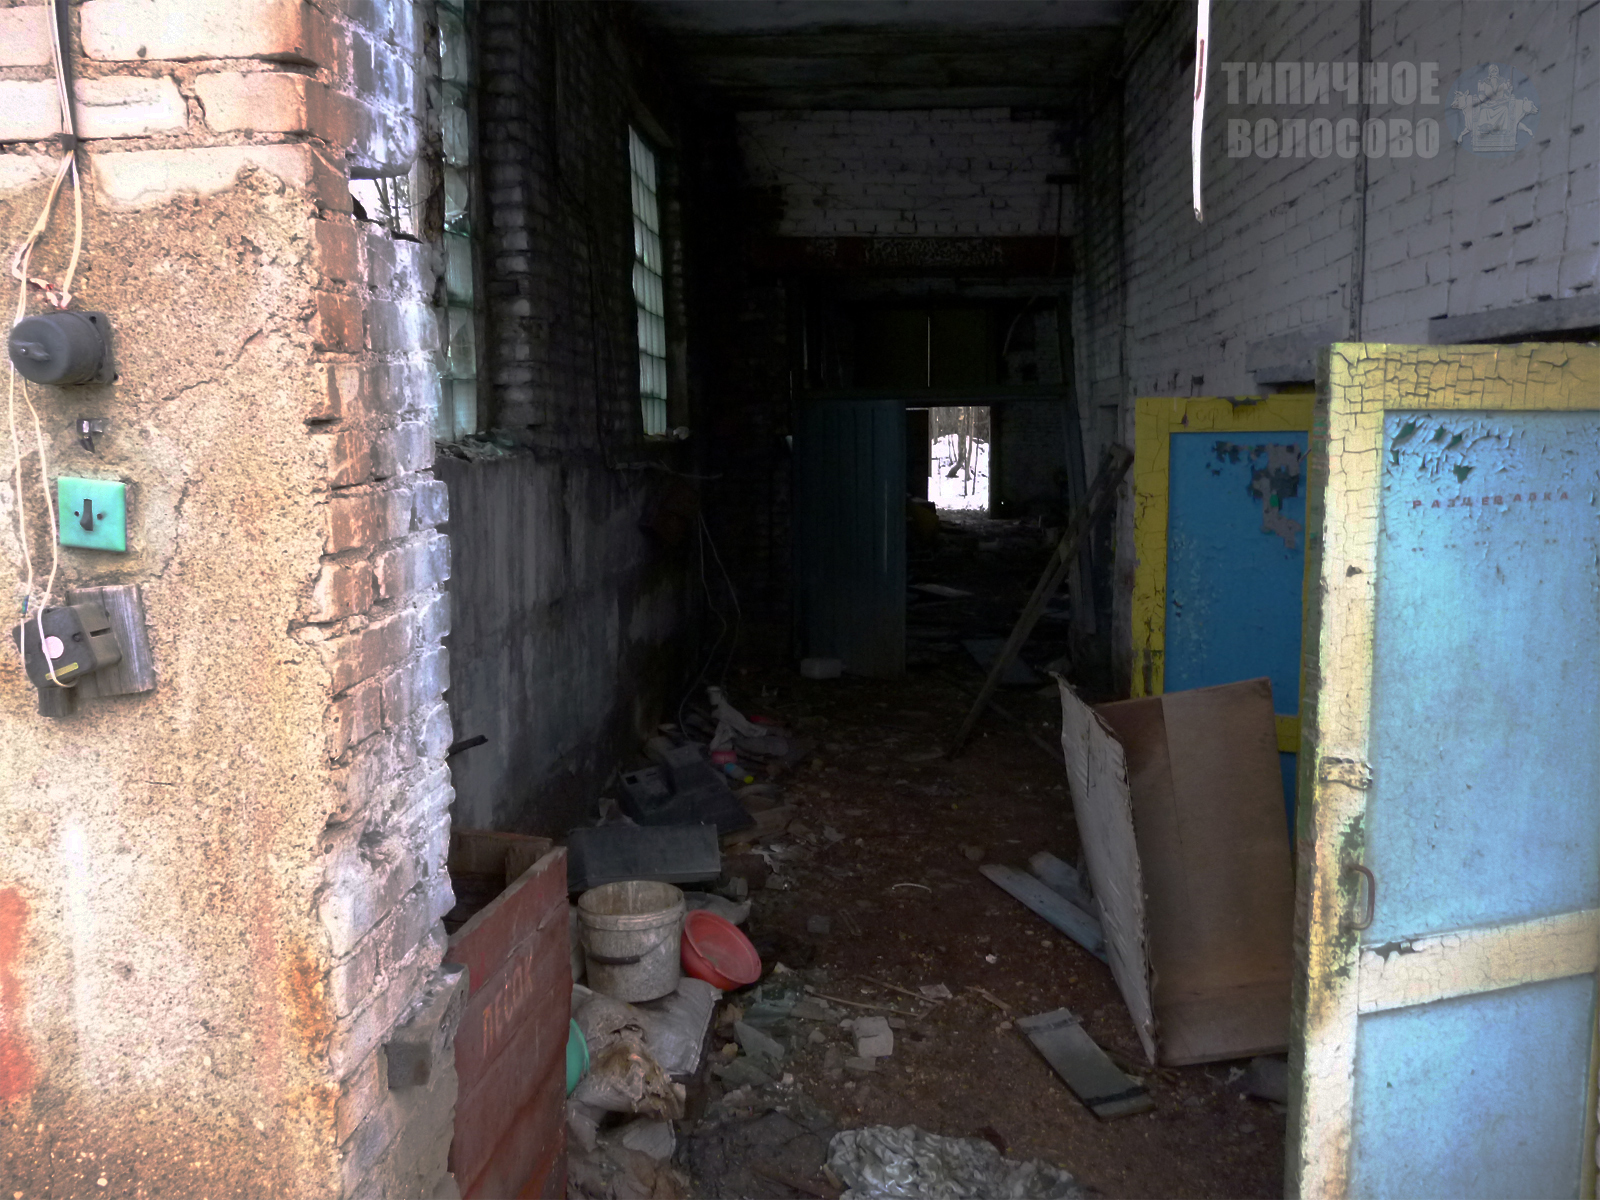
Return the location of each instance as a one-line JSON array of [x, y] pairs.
[[935, 991], [1267, 1078], [685, 791], [821, 668], [1074, 1056], [653, 1138], [630, 937], [884, 1163], [923, 886], [733, 912], [1052, 906], [874, 1038], [768, 1052], [577, 1056], [991, 997], [662, 853], [675, 1025], [1017, 673], [731, 723], [714, 950]]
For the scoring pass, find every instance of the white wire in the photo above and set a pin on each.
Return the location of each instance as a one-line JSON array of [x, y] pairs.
[[20, 262]]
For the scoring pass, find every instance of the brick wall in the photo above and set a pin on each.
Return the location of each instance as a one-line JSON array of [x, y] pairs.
[[931, 172], [570, 595], [1168, 306], [272, 421]]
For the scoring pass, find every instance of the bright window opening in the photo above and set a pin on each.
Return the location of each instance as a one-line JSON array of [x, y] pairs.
[[648, 292], [959, 458]]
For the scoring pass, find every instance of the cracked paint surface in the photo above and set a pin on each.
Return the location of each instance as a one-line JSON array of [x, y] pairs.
[[1361, 387]]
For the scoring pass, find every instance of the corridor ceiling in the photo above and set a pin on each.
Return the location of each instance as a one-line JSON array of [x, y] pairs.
[[889, 54]]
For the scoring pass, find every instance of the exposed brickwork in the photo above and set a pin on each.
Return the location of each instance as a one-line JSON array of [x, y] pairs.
[[178, 97], [574, 598], [944, 171]]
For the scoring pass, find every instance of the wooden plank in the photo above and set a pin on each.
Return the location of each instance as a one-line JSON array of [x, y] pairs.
[[535, 976], [1065, 916], [1093, 1077], [1062, 878], [137, 671], [510, 1050], [1465, 962], [493, 852], [1113, 466], [532, 1065], [531, 903]]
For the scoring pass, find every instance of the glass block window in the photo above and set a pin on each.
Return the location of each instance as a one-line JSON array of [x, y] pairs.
[[457, 415], [648, 292]]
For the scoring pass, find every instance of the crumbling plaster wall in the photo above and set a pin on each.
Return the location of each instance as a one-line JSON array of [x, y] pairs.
[[219, 899], [571, 599], [1169, 306]]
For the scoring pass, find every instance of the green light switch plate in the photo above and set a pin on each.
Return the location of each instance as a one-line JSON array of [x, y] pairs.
[[93, 513]]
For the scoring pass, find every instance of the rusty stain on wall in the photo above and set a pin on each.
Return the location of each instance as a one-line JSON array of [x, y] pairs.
[[16, 1063]]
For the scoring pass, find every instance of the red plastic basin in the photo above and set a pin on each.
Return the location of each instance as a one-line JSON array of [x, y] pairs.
[[714, 950]]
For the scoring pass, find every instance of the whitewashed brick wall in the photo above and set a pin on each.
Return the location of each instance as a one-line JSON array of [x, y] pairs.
[[1164, 305], [925, 173], [1456, 234]]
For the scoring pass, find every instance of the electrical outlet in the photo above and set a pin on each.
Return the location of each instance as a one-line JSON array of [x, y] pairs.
[[93, 513]]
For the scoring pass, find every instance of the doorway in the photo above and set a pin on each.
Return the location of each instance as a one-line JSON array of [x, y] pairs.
[[959, 439]]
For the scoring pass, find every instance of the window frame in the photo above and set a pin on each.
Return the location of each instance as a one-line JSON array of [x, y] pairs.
[[642, 137]]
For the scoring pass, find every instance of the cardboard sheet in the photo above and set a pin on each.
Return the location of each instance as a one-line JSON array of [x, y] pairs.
[[1210, 864], [1099, 779]]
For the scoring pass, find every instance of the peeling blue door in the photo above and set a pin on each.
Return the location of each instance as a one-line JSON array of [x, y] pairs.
[[1235, 559]]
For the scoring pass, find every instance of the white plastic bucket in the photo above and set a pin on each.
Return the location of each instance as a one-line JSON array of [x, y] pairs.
[[630, 933]]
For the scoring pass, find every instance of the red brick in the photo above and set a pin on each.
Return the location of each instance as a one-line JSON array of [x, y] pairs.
[[337, 325], [354, 717], [349, 456], [368, 518], [415, 566], [148, 31], [341, 589], [368, 653], [363, 1091]]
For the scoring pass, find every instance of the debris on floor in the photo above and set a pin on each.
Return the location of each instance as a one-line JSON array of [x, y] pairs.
[[883, 1163], [1091, 1075], [870, 1035]]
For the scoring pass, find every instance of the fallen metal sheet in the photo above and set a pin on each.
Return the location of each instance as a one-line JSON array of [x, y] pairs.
[[1052, 906], [663, 853], [1093, 1077]]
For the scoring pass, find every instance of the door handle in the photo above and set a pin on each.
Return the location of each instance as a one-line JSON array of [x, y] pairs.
[[1372, 897]]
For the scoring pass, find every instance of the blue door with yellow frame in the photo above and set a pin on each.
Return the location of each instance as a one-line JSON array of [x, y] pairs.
[[1220, 529]]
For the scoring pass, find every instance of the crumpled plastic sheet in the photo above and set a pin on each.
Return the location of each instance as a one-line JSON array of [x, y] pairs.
[[884, 1163]]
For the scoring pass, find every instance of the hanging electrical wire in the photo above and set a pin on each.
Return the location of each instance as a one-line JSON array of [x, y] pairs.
[[59, 297]]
